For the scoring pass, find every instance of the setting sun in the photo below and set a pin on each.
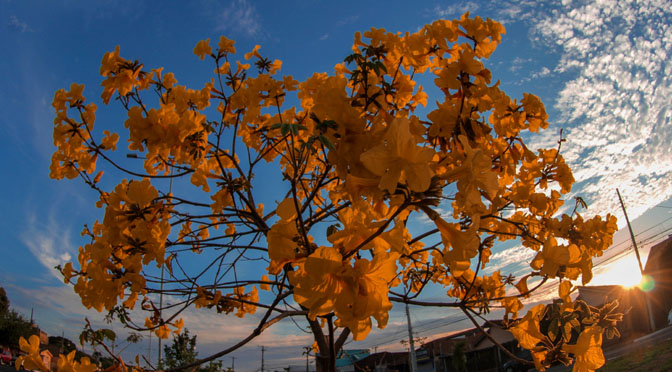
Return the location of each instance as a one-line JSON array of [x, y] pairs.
[[624, 272]]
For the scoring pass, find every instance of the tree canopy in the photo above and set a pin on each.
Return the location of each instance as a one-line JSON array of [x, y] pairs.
[[182, 351], [331, 198], [12, 325], [4, 301]]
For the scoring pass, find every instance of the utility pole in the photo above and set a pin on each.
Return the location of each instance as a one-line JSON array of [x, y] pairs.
[[307, 354], [161, 306], [632, 235], [262, 358], [414, 364], [149, 349], [652, 324], [233, 363], [170, 191]]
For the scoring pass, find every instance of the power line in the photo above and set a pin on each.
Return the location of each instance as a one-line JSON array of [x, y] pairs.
[[450, 320], [551, 286]]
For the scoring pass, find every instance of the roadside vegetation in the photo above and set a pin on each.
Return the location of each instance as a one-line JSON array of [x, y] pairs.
[[654, 358]]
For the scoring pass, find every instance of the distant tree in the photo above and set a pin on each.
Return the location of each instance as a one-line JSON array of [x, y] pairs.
[[181, 352], [214, 366], [102, 360], [4, 301], [66, 344], [13, 326]]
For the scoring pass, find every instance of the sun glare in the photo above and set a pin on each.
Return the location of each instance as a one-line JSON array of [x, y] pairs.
[[624, 272]]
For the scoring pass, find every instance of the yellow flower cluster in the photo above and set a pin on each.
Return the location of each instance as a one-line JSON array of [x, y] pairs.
[[239, 301], [588, 347], [75, 151], [122, 76], [176, 130], [324, 283], [161, 328], [32, 360], [133, 234]]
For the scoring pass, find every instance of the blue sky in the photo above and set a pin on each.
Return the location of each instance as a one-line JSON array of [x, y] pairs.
[[601, 67]]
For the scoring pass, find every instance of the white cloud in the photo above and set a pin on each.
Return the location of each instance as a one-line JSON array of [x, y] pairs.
[[239, 16], [16, 24], [503, 11], [518, 63], [347, 20], [509, 256], [545, 71], [49, 242], [56, 309], [455, 9], [616, 105]]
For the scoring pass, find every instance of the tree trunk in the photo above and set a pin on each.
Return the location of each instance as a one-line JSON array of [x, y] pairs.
[[329, 346], [322, 363]]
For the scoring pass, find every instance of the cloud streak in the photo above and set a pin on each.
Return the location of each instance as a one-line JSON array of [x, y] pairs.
[[16, 24], [50, 243], [510, 257], [239, 16], [455, 10], [616, 103]]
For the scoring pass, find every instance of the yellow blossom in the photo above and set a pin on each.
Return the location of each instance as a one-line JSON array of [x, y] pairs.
[[226, 46], [587, 350], [399, 159], [203, 48], [32, 359]]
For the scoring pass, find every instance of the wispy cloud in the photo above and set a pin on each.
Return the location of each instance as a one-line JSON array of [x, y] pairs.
[[347, 20], [16, 24], [545, 71], [518, 63], [503, 11], [239, 16], [455, 9], [49, 242], [616, 105], [510, 257]]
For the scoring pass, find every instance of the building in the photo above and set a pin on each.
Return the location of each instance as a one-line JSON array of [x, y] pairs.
[[482, 355], [659, 268], [46, 358], [384, 361], [347, 359], [631, 303]]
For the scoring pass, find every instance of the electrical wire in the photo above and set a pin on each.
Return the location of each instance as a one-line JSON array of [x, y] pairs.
[[621, 248], [542, 292]]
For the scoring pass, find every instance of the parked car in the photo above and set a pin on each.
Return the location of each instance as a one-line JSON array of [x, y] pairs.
[[5, 356]]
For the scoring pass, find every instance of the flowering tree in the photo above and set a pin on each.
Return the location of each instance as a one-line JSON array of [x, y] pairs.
[[343, 177]]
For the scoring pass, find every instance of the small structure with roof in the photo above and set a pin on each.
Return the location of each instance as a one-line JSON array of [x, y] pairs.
[[384, 361], [659, 268]]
